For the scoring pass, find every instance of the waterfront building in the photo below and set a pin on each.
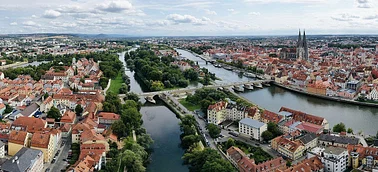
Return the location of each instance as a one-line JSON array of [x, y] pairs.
[[304, 117], [240, 160], [216, 113], [252, 128], [222, 111], [25, 160], [337, 140], [366, 156], [334, 159]]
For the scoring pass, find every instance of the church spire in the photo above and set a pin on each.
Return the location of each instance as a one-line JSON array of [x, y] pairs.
[[299, 39]]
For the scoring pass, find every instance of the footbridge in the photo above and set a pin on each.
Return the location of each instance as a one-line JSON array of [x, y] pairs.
[[191, 89]]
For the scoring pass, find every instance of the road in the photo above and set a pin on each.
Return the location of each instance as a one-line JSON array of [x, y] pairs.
[[60, 164]]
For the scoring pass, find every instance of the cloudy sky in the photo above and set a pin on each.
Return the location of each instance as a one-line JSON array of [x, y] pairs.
[[189, 17]]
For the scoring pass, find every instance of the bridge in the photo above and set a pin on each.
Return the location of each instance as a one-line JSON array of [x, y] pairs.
[[191, 89]]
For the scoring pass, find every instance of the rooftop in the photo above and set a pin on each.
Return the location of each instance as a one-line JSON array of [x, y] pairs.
[[26, 157], [251, 122]]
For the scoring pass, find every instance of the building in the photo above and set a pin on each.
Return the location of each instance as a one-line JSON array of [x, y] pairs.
[[302, 47], [25, 160], [235, 112], [288, 148], [30, 123], [309, 140], [334, 159], [303, 117], [308, 165], [241, 161], [366, 156], [2, 150], [216, 113], [252, 128], [45, 143], [336, 140], [17, 140], [107, 118]]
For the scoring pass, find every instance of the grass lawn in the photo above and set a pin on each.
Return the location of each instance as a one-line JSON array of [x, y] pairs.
[[116, 84], [189, 106]]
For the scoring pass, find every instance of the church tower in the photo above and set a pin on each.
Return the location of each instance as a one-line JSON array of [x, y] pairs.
[[302, 47]]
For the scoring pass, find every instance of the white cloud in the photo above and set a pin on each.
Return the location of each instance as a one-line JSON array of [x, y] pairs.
[[13, 24], [34, 16], [210, 12], [115, 6], [345, 17], [51, 14], [177, 18], [363, 4], [30, 23], [231, 10], [371, 17], [287, 1], [254, 13]]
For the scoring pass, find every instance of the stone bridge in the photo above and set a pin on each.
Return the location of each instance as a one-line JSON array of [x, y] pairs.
[[191, 89]]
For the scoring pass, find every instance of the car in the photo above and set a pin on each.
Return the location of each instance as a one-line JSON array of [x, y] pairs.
[[270, 145], [53, 161], [47, 170], [221, 136], [257, 144], [64, 159]]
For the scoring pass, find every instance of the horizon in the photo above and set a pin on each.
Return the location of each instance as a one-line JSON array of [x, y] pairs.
[[190, 17]]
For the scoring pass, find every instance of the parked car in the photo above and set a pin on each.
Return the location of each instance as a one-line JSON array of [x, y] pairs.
[[47, 170]]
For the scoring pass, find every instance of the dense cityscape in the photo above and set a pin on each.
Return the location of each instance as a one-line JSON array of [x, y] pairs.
[[77, 104]]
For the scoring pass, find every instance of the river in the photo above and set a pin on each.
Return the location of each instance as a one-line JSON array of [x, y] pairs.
[[359, 118], [163, 126]]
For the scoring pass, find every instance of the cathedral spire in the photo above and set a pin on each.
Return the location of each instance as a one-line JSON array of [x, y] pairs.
[[299, 39]]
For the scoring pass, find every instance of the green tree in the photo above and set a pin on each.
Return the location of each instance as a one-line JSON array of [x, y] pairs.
[[124, 89], [288, 163], [45, 95], [230, 142], [8, 109], [350, 130], [218, 165], [132, 162], [119, 128], [78, 110], [197, 160], [267, 135], [340, 127], [273, 128], [157, 86], [189, 140], [54, 113], [191, 74], [132, 96], [214, 130], [145, 140]]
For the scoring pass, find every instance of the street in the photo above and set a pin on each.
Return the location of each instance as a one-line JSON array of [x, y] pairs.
[[59, 163]]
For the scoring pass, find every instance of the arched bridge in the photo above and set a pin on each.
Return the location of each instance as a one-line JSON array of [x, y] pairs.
[[191, 89]]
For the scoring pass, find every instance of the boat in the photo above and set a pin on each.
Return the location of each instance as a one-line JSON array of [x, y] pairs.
[[260, 77], [248, 86], [217, 65], [227, 68], [258, 85], [266, 84], [238, 88], [220, 88], [150, 99], [250, 75]]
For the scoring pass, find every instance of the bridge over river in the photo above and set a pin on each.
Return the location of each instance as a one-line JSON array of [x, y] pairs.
[[191, 89]]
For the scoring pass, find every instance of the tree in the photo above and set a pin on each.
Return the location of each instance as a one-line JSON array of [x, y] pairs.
[[288, 163], [78, 110], [132, 162], [214, 130], [45, 95], [197, 160], [267, 135], [339, 128], [132, 96], [191, 74], [145, 140], [230, 142], [8, 109], [218, 165], [157, 86], [189, 140], [350, 130], [273, 128], [124, 89], [54, 113], [119, 128]]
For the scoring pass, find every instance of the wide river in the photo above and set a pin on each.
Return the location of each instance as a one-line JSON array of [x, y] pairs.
[[359, 118]]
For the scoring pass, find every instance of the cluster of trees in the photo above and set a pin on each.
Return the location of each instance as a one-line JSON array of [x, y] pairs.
[[214, 130], [257, 153], [200, 49], [207, 160], [340, 127], [272, 132], [134, 156], [54, 113], [156, 73], [206, 97]]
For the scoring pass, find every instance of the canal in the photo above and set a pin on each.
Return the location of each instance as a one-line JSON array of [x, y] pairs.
[[359, 118], [163, 126]]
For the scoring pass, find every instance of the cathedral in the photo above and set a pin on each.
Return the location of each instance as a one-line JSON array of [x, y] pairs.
[[302, 48]]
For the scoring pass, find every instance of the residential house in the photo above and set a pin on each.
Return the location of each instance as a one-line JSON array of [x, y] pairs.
[[366, 156], [216, 113], [31, 124], [309, 140], [44, 143], [313, 164], [303, 117], [252, 128], [68, 117], [47, 104], [25, 160], [107, 118], [337, 140], [17, 140], [288, 148], [334, 159]]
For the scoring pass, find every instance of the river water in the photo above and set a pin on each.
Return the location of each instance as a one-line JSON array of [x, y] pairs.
[[163, 126], [359, 118]]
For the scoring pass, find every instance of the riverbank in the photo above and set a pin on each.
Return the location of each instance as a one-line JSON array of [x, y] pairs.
[[338, 99], [13, 65]]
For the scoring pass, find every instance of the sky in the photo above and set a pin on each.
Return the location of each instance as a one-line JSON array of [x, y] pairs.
[[189, 17]]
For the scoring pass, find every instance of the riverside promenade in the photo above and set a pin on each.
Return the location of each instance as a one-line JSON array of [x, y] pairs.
[[338, 99]]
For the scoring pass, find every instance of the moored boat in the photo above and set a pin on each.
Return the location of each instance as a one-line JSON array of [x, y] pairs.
[[266, 84], [258, 85], [248, 86], [150, 99], [238, 88]]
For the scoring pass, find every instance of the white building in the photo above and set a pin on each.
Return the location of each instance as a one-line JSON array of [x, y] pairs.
[[221, 111], [334, 159], [373, 95], [252, 128], [235, 112]]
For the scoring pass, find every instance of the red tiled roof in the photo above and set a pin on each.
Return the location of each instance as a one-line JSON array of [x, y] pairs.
[[32, 124], [40, 140], [108, 116], [17, 137]]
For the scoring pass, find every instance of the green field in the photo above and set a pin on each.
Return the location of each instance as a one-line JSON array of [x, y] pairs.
[[116, 84], [189, 106]]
